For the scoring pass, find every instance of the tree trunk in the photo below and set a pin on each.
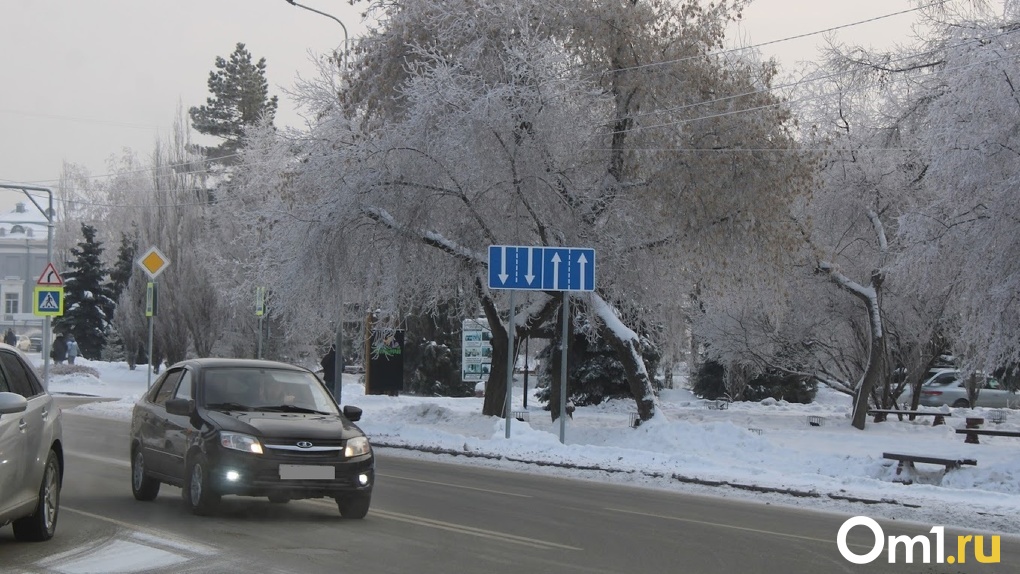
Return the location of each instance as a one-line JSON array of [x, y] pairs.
[[876, 355], [876, 366], [628, 349], [495, 387], [556, 365]]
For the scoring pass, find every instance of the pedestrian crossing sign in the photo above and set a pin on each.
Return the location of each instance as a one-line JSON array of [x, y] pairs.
[[49, 301]]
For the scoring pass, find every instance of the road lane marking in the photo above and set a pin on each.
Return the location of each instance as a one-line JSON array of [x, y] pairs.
[[451, 485], [460, 528], [145, 533], [119, 556], [719, 525], [97, 458], [532, 542], [491, 534]]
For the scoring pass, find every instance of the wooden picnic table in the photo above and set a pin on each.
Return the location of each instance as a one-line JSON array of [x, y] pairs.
[[972, 434], [881, 414], [906, 461]]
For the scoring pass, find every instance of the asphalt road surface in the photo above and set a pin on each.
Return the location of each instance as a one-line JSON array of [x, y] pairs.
[[430, 517]]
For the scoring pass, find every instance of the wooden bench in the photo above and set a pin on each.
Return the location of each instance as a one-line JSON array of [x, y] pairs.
[[881, 414], [906, 461], [972, 434]]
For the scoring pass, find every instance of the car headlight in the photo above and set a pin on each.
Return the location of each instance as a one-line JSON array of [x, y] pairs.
[[241, 442], [357, 446]]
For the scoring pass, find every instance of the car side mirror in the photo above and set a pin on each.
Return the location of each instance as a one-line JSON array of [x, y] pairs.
[[182, 407], [11, 403], [352, 414]]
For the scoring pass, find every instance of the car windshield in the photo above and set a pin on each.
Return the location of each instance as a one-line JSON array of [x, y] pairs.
[[262, 389]]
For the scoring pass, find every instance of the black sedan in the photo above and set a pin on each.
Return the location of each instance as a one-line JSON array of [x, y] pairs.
[[245, 427]]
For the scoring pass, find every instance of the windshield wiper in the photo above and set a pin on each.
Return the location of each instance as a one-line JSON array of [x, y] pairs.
[[228, 407], [290, 409]]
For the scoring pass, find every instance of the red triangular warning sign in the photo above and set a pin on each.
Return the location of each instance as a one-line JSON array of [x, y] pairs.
[[50, 276]]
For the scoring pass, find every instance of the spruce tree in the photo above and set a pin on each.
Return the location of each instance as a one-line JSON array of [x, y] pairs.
[[86, 296], [240, 98], [117, 348], [124, 266]]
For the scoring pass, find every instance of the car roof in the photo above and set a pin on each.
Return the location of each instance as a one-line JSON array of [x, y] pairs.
[[16, 350], [218, 362]]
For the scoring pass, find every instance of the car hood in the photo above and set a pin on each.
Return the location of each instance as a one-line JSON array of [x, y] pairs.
[[284, 425]]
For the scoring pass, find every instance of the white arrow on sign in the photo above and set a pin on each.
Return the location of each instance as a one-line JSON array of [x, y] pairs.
[[581, 262], [502, 269], [556, 270], [530, 276]]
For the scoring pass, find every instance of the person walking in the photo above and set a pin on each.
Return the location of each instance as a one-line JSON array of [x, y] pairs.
[[58, 351], [328, 363], [72, 349], [10, 338]]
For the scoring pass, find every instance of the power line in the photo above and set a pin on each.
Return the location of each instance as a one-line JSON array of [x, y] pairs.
[[781, 40], [668, 110]]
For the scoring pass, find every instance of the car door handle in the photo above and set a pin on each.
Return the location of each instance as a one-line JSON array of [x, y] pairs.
[[45, 413], [22, 425]]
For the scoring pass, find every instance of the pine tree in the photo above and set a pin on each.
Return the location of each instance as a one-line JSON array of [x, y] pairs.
[[86, 296], [240, 98]]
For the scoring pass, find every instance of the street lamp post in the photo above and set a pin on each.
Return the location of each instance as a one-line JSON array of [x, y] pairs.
[[337, 20], [338, 356], [48, 214]]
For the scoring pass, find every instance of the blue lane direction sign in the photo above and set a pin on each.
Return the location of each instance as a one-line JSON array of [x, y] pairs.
[[541, 268]]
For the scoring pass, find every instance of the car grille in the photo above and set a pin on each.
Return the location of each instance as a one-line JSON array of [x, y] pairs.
[[320, 450]]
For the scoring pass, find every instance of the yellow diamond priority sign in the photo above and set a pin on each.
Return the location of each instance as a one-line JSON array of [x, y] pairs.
[[153, 262]]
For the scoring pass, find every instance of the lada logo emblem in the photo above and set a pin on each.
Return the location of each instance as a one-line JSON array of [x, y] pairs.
[[304, 444]]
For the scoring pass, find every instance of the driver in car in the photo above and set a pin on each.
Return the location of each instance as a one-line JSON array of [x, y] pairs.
[[274, 393]]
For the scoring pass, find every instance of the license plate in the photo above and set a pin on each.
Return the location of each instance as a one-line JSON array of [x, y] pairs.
[[306, 472]]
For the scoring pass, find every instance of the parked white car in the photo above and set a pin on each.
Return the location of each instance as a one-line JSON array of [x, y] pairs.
[[947, 387], [31, 459]]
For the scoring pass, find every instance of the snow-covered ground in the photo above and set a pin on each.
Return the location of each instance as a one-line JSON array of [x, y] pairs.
[[764, 451]]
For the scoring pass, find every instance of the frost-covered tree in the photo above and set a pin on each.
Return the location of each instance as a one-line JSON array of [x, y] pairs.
[[168, 206], [607, 125], [87, 299], [898, 118], [967, 238]]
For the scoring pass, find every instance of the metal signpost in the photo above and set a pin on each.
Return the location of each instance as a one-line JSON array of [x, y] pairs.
[[540, 269], [153, 262], [49, 302], [260, 311]]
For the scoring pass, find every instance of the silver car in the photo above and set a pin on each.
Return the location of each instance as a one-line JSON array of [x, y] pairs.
[[31, 451], [947, 387]]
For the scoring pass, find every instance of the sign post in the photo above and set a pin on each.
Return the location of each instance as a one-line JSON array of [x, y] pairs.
[[153, 262], [49, 302], [260, 310], [541, 269]]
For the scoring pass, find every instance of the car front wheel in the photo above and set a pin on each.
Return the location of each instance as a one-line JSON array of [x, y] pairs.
[[43, 523], [143, 486], [353, 505], [198, 492]]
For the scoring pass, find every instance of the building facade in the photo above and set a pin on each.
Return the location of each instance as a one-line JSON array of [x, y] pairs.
[[23, 258]]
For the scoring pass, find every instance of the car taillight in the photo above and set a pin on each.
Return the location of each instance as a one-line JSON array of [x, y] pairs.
[[930, 393]]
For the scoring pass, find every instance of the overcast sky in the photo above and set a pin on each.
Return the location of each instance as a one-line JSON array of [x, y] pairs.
[[83, 79]]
